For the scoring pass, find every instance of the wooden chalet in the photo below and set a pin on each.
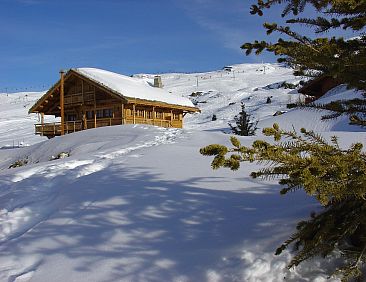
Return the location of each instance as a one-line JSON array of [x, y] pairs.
[[318, 87], [89, 98]]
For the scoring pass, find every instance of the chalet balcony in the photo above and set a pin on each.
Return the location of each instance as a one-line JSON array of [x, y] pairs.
[[54, 129], [79, 98]]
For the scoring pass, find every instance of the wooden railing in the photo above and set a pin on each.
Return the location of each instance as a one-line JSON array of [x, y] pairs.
[[48, 129], [73, 99], [54, 129], [156, 122], [100, 122], [78, 98]]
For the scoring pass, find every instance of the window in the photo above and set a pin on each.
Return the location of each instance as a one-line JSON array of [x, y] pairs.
[[90, 115], [102, 113], [99, 113], [149, 115], [139, 113], [71, 117], [159, 115], [107, 113]]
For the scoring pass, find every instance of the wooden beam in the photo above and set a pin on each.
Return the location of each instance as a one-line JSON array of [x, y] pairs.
[[134, 113], [56, 106], [154, 115], [83, 111], [52, 90], [122, 113], [84, 120], [82, 90], [42, 122], [62, 82], [95, 108]]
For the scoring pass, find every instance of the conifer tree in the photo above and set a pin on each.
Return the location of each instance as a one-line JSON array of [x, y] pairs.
[[342, 59], [354, 108], [334, 176], [244, 125]]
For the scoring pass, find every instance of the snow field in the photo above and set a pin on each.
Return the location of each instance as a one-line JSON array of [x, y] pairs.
[[139, 203]]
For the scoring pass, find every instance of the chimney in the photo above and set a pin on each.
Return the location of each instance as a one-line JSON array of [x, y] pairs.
[[157, 81]]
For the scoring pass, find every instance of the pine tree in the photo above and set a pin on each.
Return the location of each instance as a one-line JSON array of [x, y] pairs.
[[335, 177], [342, 59], [337, 57], [354, 108], [244, 125]]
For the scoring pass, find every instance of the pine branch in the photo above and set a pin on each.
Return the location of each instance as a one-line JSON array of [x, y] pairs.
[[286, 30]]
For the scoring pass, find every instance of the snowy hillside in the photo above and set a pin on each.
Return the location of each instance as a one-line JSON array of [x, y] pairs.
[[139, 203], [311, 119], [16, 127], [221, 92]]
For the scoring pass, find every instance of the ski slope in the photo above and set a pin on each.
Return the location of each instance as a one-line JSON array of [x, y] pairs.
[[222, 92], [139, 203]]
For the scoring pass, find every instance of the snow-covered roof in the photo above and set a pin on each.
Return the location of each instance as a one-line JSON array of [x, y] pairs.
[[130, 87]]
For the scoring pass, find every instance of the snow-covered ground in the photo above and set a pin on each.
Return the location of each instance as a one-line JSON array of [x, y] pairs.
[[139, 203], [16, 126], [220, 93]]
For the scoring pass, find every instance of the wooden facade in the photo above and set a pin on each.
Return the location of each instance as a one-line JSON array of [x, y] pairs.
[[83, 103]]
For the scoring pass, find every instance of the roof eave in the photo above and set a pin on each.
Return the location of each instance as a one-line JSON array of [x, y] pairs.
[[132, 100], [33, 109]]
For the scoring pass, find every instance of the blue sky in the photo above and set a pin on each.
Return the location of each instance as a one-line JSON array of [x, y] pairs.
[[40, 37]]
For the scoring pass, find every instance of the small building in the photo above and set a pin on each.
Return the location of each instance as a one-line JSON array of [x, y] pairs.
[[89, 98], [158, 82], [317, 87], [228, 68]]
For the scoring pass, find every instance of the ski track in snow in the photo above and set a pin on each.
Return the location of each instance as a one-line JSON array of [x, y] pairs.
[[18, 221]]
